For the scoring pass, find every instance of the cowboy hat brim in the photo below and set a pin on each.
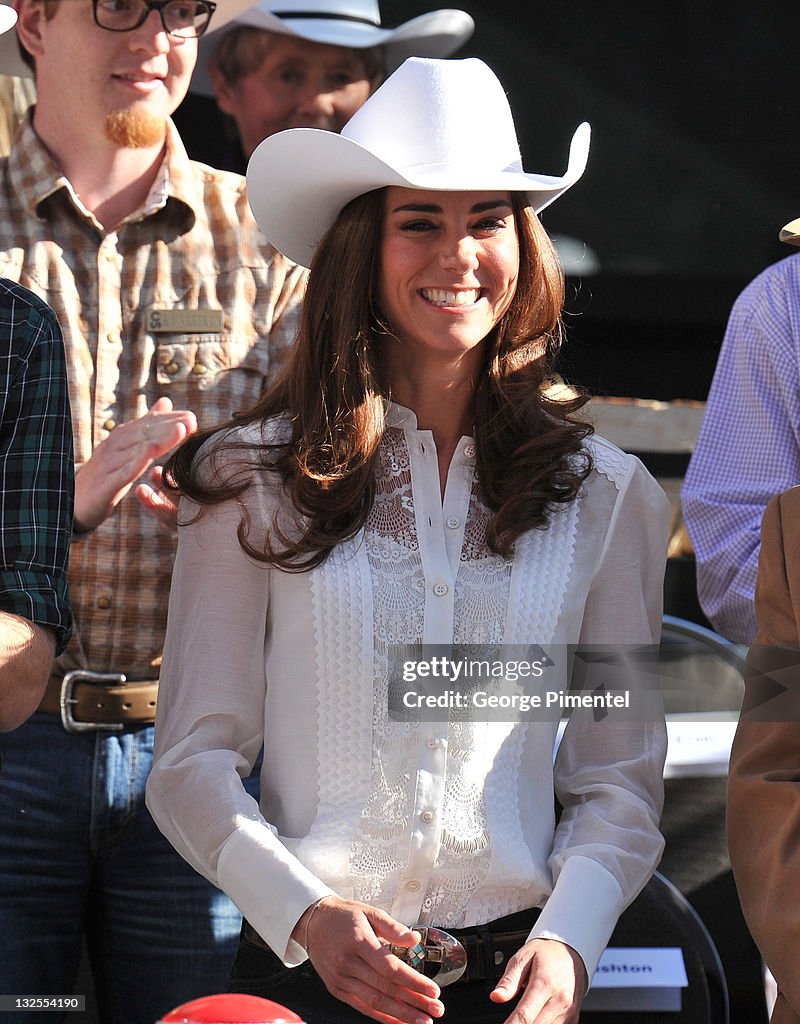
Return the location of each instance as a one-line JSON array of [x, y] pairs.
[[10, 61], [791, 232], [436, 34], [295, 203], [8, 17]]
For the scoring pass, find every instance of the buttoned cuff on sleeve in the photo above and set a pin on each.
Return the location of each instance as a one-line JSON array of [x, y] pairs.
[[270, 886], [582, 910]]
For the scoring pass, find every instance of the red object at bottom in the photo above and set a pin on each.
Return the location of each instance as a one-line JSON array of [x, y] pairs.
[[231, 1008]]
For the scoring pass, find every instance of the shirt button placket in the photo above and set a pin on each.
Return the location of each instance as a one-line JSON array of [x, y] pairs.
[[109, 329]]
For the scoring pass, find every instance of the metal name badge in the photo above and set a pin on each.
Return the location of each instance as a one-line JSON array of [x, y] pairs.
[[437, 947], [185, 321]]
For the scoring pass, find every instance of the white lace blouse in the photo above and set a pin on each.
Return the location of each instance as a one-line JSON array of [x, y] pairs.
[[450, 824]]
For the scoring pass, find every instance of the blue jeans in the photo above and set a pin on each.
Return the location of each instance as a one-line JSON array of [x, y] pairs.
[[80, 856]]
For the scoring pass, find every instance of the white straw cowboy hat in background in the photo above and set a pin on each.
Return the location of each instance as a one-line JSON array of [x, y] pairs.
[[12, 64], [434, 124], [8, 17], [352, 23], [791, 232], [10, 61]]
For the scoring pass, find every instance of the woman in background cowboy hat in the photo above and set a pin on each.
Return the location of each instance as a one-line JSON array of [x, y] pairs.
[[310, 63], [411, 481]]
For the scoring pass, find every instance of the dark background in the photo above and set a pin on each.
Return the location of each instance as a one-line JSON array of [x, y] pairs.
[[691, 173]]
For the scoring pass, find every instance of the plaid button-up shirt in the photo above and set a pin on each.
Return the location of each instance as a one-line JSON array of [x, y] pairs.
[[36, 469], [193, 246]]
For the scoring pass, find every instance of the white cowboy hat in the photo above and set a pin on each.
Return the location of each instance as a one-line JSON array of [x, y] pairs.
[[352, 23], [791, 232], [10, 61], [8, 17], [434, 124], [12, 64]]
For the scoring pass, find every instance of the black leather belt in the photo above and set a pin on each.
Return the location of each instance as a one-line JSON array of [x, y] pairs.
[[483, 954], [488, 953]]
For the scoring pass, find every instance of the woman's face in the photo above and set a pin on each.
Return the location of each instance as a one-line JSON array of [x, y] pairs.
[[299, 84], [449, 267]]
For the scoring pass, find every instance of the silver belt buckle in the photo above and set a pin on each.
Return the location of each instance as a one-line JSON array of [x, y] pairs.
[[437, 947], [66, 700]]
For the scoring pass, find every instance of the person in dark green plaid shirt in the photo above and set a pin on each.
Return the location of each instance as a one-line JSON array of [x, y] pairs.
[[36, 496]]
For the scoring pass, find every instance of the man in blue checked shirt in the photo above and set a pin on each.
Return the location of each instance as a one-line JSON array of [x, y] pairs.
[[36, 495], [748, 448]]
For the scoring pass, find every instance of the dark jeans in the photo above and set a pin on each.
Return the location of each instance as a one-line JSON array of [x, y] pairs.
[[80, 856], [257, 971]]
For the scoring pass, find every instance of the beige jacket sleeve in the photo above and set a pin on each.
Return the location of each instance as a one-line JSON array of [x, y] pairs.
[[764, 780]]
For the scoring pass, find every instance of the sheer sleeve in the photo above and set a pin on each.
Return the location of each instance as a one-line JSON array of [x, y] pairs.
[[609, 766], [210, 720]]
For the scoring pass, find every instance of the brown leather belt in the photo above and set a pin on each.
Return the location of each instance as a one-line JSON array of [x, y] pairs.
[[98, 701]]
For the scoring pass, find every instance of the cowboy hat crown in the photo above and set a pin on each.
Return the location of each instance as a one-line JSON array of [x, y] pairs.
[[425, 127], [355, 24]]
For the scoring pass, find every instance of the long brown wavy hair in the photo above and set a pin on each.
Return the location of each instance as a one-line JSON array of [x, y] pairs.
[[531, 455]]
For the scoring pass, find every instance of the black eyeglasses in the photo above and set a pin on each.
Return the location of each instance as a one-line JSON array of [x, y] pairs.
[[183, 19]]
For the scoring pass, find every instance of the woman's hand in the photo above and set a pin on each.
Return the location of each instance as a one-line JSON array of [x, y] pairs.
[[156, 500], [554, 980], [348, 944]]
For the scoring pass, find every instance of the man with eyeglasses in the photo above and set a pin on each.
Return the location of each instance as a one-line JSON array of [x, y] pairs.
[[174, 312]]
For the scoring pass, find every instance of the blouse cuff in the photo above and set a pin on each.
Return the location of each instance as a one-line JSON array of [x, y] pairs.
[[270, 887], [582, 910]]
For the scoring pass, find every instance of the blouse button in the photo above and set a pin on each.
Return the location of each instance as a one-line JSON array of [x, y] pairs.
[[453, 522], [440, 589], [412, 886], [427, 817], [104, 602], [432, 743], [469, 451], [109, 425]]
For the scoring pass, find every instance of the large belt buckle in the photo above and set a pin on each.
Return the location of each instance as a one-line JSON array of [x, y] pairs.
[[66, 700], [437, 947]]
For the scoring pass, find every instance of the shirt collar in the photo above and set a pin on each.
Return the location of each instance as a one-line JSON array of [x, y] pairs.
[[35, 177], [400, 416], [406, 419]]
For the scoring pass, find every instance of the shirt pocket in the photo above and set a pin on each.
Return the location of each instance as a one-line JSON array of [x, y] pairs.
[[214, 373], [195, 361], [226, 371]]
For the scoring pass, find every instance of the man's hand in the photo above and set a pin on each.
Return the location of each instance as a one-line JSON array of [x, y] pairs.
[[348, 944], [554, 979], [118, 462], [26, 657]]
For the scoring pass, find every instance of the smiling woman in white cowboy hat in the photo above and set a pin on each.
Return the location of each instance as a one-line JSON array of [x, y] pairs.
[[311, 63], [412, 480]]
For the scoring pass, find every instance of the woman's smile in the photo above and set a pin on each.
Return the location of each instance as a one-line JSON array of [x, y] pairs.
[[449, 267], [445, 297]]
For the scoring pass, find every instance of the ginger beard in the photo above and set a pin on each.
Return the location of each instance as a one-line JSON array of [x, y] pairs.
[[135, 128]]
